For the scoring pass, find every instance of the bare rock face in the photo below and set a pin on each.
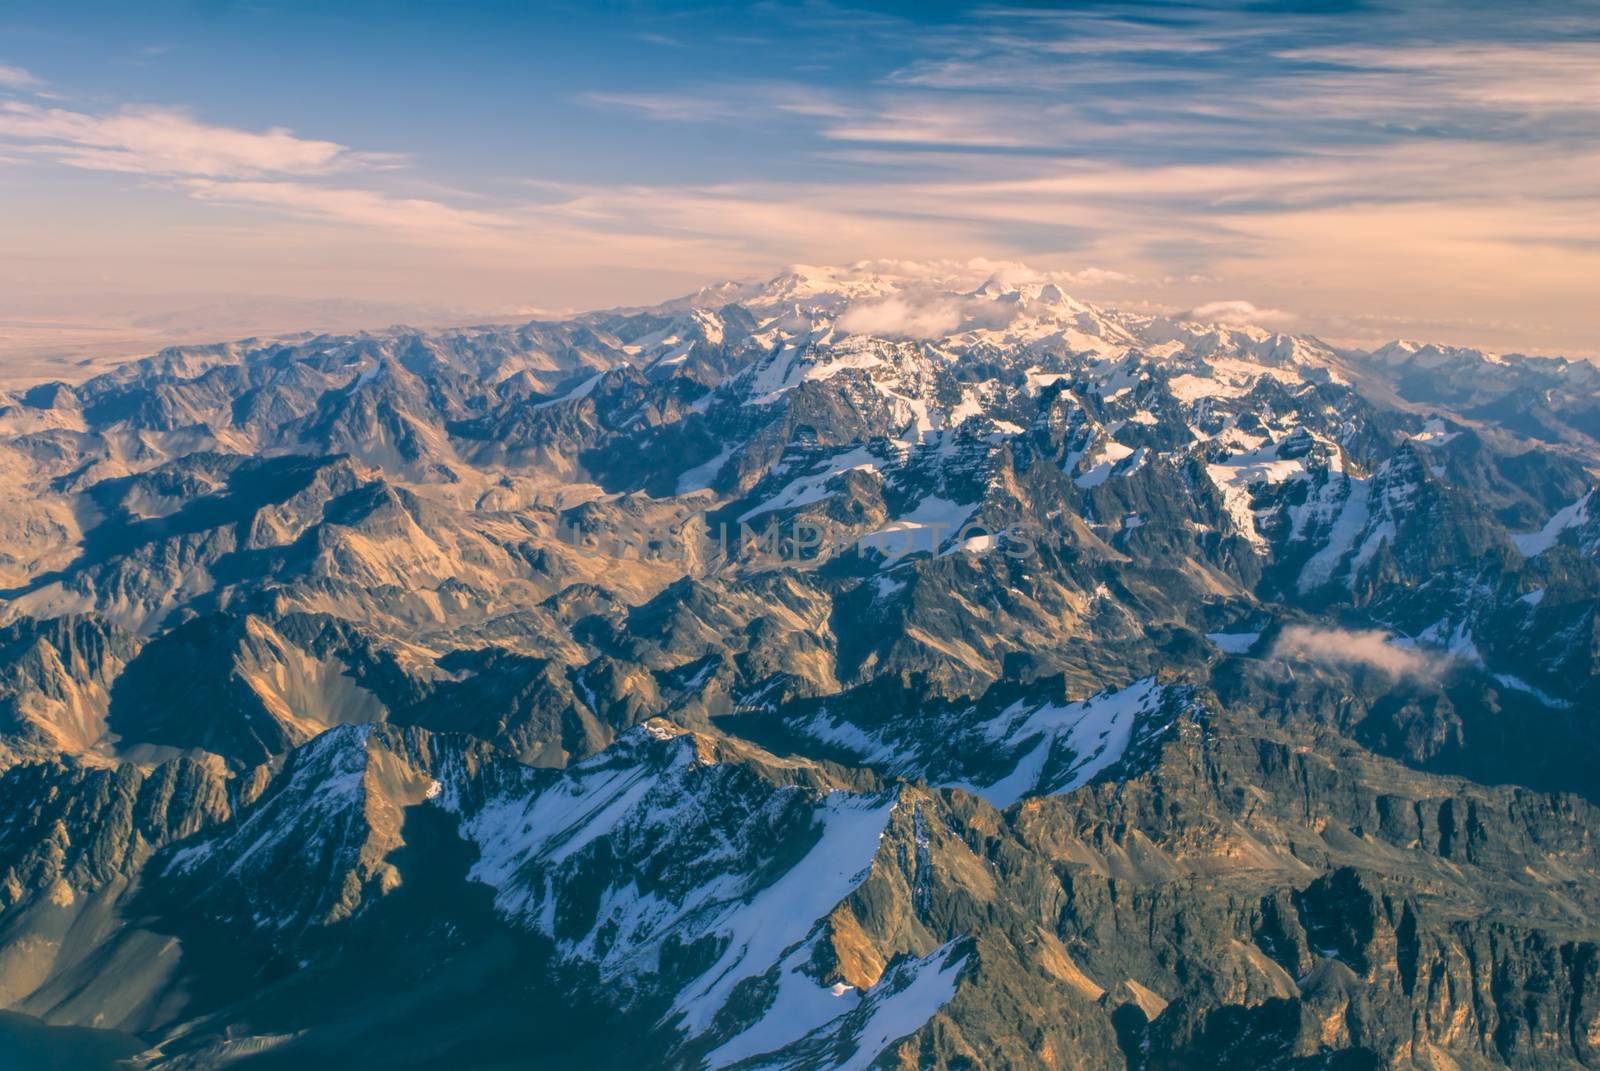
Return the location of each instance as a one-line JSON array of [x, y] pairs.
[[710, 686], [55, 678]]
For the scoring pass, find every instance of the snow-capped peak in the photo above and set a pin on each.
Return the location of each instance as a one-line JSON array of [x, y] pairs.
[[1431, 354], [978, 302]]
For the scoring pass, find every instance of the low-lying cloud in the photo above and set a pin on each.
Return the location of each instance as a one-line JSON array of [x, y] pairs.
[[1235, 314], [940, 298], [1372, 648], [897, 317]]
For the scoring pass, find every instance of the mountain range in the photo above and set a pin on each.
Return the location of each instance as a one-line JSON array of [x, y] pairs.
[[888, 666]]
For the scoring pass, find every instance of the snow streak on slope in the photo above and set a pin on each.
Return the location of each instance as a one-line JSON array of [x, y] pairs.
[[1341, 507], [900, 1003], [1038, 748], [1071, 744], [1241, 475], [324, 788], [759, 928], [1573, 516], [734, 880], [812, 487]]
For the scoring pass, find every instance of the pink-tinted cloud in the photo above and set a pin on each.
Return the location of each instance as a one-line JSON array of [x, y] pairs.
[[160, 141]]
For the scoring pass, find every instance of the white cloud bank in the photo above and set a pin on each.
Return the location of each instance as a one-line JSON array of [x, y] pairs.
[[1235, 314], [1371, 648], [937, 298], [898, 317]]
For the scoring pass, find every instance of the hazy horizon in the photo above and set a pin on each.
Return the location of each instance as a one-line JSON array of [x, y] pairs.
[[1358, 171]]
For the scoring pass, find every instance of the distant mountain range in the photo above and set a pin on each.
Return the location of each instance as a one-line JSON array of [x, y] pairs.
[[876, 667]]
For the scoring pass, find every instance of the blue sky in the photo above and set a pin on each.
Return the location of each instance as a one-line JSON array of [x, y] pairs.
[[1357, 170]]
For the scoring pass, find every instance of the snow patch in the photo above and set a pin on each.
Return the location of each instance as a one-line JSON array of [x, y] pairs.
[[813, 487], [901, 1003], [582, 390], [924, 528], [1080, 740], [760, 927], [1434, 433], [699, 478], [1238, 475], [1532, 544], [1520, 685], [1233, 642]]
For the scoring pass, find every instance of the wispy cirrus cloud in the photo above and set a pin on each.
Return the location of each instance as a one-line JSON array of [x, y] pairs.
[[930, 123], [895, 118], [273, 169], [675, 107], [1543, 79], [164, 141], [363, 207], [18, 78], [733, 102]]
